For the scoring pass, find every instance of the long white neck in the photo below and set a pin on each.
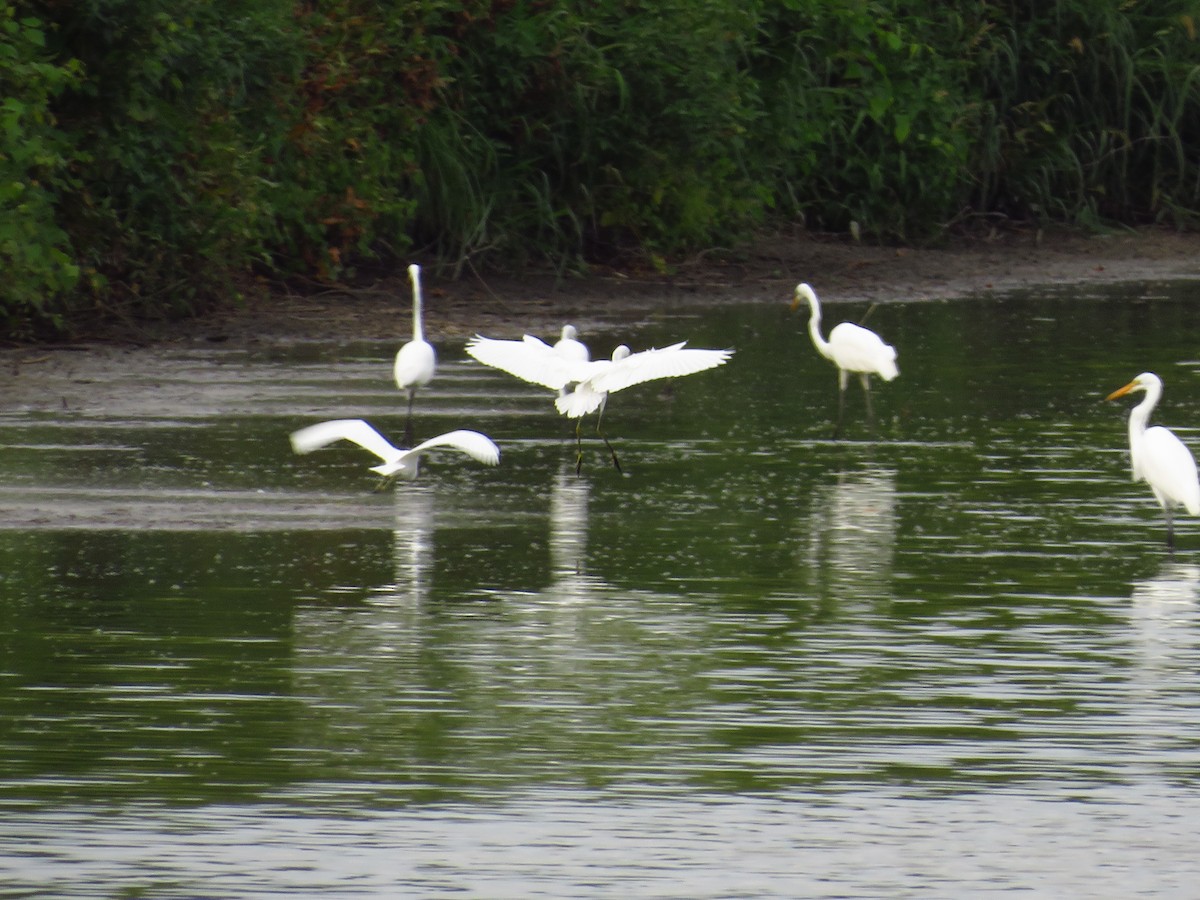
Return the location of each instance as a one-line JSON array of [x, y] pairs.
[[814, 320], [1140, 414], [414, 274]]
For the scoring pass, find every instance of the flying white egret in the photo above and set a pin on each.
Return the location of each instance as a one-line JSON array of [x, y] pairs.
[[396, 462], [416, 361], [1158, 457], [851, 348], [584, 386]]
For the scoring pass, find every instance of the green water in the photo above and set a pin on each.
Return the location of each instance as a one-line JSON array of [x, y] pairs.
[[948, 655]]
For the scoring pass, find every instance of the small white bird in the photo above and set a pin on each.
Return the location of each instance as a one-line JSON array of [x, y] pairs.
[[583, 385], [851, 348], [396, 462], [416, 361], [1159, 458]]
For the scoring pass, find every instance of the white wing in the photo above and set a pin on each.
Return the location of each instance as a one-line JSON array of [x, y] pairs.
[[356, 430], [669, 362], [858, 349], [472, 443], [530, 359], [1167, 465]]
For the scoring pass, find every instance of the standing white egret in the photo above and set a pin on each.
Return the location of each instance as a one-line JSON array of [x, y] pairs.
[[584, 386], [416, 361], [851, 348], [396, 462], [568, 346], [1158, 457]]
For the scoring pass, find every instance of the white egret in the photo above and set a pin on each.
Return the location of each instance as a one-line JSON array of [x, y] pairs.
[[851, 348], [1158, 457], [584, 386], [396, 462], [416, 361], [568, 346]]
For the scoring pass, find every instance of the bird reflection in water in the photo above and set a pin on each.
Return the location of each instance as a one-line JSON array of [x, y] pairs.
[[852, 535], [412, 541], [569, 497], [1163, 614]]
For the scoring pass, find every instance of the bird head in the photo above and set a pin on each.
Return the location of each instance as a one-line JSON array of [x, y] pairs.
[[803, 293], [1144, 382]]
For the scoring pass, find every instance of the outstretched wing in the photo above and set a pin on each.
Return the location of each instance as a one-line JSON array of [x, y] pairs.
[[669, 362], [530, 359], [472, 443], [355, 430]]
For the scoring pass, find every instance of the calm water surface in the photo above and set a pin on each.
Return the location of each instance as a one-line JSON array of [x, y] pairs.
[[946, 656]]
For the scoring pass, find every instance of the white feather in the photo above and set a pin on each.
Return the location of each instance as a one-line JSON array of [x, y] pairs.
[[530, 359]]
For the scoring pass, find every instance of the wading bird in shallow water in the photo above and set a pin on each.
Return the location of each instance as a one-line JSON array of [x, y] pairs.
[[1158, 457], [396, 463], [583, 387], [568, 346], [851, 348], [416, 361]]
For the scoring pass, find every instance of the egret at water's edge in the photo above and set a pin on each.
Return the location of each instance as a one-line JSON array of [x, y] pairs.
[[583, 386], [396, 462], [851, 348], [416, 361], [1158, 457]]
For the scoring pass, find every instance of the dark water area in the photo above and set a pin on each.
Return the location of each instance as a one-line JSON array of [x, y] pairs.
[[946, 655]]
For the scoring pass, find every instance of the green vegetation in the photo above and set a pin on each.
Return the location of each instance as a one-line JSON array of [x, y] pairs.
[[158, 156]]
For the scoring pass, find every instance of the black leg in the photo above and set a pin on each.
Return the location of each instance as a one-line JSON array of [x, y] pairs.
[[866, 383], [408, 429], [837, 429], [616, 462]]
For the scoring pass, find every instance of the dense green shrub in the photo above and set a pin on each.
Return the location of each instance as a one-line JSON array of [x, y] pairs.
[[870, 113], [35, 158], [1093, 111], [169, 209], [156, 154]]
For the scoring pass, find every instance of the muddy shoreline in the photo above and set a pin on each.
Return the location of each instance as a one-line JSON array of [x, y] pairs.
[[840, 270]]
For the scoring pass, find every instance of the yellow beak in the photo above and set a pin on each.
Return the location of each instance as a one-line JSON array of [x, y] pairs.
[[1121, 392], [795, 301]]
